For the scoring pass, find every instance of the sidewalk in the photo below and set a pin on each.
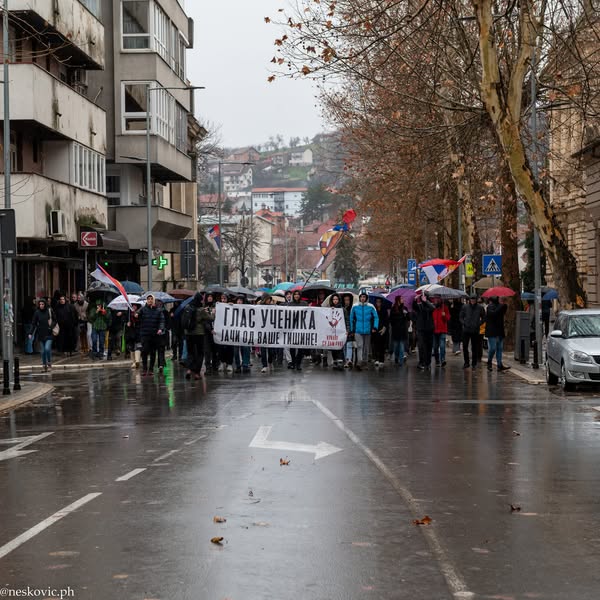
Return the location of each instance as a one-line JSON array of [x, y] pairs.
[[527, 373], [30, 392], [32, 363]]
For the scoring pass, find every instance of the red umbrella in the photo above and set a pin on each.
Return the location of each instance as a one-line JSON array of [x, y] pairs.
[[500, 291], [182, 294]]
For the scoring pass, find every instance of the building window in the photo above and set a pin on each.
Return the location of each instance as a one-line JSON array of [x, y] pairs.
[[162, 31], [93, 6], [88, 169], [136, 24], [134, 109], [113, 190]]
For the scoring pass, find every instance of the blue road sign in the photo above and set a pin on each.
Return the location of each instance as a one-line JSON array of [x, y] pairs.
[[423, 279], [492, 264], [411, 265]]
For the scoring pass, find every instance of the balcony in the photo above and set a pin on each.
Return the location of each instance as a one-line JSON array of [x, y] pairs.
[[168, 163], [169, 226], [39, 97], [36, 195], [71, 26]]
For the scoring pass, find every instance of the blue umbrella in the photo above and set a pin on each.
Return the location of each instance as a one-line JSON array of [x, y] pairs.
[[551, 294], [527, 296], [131, 287], [182, 305], [375, 296], [284, 285]]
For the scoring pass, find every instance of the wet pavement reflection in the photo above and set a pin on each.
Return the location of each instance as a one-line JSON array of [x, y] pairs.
[[162, 457]]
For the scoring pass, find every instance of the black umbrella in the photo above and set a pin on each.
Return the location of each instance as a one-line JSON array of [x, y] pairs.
[[242, 291], [217, 289], [312, 290], [97, 287]]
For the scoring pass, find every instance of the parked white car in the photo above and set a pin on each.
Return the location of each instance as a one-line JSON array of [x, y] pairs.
[[573, 351]]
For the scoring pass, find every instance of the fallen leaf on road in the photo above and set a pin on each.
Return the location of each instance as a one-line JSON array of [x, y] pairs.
[[250, 493], [125, 436], [260, 524], [216, 540], [219, 519], [284, 462], [121, 576], [514, 507], [516, 433], [424, 521]]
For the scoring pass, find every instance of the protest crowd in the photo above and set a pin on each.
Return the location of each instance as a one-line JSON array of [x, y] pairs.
[[375, 332]]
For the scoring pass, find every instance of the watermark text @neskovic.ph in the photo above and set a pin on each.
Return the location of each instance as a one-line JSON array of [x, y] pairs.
[[32, 592]]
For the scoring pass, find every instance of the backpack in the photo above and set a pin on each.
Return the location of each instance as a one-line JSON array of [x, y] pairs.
[[188, 318]]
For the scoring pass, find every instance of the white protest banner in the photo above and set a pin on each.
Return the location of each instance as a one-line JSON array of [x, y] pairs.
[[279, 326]]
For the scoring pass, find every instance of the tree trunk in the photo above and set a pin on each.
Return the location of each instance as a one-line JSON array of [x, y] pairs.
[[510, 255], [504, 107]]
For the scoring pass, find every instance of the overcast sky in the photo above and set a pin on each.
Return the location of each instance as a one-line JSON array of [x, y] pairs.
[[232, 49]]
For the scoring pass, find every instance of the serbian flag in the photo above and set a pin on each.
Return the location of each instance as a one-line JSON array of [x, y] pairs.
[[437, 269], [102, 275], [214, 233], [331, 237]]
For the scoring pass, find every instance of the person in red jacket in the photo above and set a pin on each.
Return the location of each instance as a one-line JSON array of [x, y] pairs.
[[441, 316]]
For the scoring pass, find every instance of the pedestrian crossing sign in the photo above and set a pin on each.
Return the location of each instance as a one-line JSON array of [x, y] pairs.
[[492, 264]]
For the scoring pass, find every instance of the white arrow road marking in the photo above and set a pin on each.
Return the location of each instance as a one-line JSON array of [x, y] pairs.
[[320, 450], [21, 443], [57, 516]]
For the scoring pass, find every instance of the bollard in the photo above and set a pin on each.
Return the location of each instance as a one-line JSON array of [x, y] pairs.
[[6, 378], [535, 364], [16, 376], [522, 361]]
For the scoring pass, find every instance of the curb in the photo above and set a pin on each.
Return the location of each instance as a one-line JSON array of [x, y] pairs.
[[37, 391], [77, 367], [531, 379]]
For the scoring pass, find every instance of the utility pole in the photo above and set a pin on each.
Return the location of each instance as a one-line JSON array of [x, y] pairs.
[[537, 357], [6, 270]]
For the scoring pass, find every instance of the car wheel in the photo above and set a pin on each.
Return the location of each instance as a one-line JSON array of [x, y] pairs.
[[564, 383], [551, 378]]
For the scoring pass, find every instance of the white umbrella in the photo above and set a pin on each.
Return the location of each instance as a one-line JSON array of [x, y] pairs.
[[119, 303], [435, 289]]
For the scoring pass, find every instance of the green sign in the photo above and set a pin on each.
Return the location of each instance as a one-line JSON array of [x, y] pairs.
[[161, 262]]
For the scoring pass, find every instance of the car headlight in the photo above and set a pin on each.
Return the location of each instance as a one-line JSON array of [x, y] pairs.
[[580, 357]]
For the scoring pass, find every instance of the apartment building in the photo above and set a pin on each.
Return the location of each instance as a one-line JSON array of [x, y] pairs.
[[145, 76], [283, 200], [58, 139]]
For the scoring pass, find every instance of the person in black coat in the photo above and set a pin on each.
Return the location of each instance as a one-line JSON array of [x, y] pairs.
[[133, 337], [43, 322], [67, 319], [163, 339], [494, 330], [115, 331], [152, 325], [423, 317], [399, 321], [454, 326], [472, 315], [380, 337]]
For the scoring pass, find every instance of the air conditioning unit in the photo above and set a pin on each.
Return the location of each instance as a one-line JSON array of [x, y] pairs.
[[57, 223]]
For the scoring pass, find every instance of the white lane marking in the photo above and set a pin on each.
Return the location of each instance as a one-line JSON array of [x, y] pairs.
[[454, 580], [129, 475], [57, 516], [320, 450], [160, 458], [194, 440]]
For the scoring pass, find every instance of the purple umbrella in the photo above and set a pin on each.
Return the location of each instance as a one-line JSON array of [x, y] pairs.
[[406, 293]]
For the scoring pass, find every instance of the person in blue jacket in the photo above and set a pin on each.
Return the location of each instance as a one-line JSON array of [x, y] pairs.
[[363, 322]]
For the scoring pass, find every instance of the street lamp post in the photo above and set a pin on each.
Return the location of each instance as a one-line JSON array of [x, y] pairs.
[[149, 171]]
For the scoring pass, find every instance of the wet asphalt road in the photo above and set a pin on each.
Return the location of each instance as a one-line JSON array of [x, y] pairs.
[[457, 446]]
